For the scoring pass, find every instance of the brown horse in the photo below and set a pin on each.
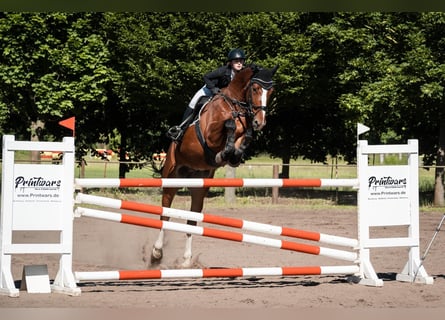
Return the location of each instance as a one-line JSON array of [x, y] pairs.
[[219, 136]]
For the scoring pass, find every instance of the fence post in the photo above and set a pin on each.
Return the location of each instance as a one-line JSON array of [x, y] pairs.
[[275, 189]]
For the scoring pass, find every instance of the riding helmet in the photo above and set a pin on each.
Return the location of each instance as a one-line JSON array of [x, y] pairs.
[[236, 54]]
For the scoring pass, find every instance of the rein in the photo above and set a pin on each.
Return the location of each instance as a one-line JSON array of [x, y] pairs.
[[232, 102]]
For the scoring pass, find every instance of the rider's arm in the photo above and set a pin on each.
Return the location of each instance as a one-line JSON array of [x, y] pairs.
[[211, 78]]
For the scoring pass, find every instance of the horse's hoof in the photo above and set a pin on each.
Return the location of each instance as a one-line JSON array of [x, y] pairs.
[[234, 165], [156, 255], [187, 263], [218, 159]]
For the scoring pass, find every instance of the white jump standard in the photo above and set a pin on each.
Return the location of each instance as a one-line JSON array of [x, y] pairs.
[[37, 198]]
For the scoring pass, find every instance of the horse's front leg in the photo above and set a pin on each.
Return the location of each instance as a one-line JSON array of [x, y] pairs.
[[235, 158], [222, 156], [157, 252], [198, 195]]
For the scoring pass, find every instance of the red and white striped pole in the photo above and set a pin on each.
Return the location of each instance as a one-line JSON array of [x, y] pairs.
[[216, 233], [213, 273], [212, 182], [218, 220]]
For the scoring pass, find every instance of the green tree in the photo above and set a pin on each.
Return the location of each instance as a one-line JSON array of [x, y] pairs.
[[401, 96], [127, 77], [305, 120], [53, 66], [160, 59]]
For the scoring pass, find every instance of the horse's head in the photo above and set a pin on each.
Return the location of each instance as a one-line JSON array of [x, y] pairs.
[[259, 93]]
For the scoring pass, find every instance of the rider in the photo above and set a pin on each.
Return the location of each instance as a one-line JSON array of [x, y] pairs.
[[214, 82]]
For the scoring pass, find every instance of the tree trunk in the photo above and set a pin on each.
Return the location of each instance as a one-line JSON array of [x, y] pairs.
[[36, 135], [440, 162], [285, 168], [123, 166]]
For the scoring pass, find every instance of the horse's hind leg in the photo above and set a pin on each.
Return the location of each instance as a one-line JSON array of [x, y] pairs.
[[198, 195], [157, 252]]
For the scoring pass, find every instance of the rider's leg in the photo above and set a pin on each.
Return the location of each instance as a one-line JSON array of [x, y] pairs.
[[187, 114], [175, 133], [191, 112]]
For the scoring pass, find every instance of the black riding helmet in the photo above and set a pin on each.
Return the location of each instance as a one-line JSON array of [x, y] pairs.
[[236, 54]]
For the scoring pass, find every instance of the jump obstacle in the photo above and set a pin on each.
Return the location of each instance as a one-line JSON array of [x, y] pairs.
[[214, 182], [217, 233], [213, 219], [40, 197], [213, 273]]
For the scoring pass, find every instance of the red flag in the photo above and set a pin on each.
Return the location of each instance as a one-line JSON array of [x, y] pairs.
[[68, 123]]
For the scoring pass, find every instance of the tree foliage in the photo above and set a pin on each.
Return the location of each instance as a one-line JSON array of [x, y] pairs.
[[127, 77]]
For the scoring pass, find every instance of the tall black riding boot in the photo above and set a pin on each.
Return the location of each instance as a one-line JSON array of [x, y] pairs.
[[175, 133], [187, 116]]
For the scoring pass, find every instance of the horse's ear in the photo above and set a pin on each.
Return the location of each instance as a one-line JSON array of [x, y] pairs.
[[274, 69], [255, 68]]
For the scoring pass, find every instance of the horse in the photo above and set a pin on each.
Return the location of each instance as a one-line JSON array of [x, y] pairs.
[[220, 135]]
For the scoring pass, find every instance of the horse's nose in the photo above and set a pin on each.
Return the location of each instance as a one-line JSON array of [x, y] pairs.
[[259, 124]]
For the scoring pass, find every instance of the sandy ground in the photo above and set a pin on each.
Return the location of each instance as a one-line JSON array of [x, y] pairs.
[[104, 245]]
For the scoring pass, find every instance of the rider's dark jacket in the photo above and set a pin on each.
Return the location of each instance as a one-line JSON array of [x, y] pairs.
[[219, 78]]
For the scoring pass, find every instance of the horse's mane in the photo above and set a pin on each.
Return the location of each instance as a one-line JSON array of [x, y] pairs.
[[241, 79]]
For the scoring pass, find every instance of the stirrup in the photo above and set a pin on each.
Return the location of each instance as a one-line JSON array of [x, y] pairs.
[[175, 133]]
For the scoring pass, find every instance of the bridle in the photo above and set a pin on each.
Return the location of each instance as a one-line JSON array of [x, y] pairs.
[[250, 109], [265, 85]]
